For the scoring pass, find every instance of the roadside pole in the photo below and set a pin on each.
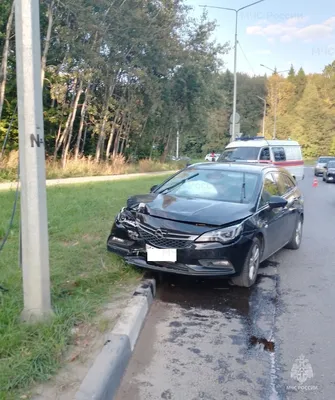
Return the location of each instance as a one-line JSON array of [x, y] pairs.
[[275, 113], [34, 221], [177, 146]]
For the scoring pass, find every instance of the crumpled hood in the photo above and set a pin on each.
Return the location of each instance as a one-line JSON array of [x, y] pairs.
[[192, 210]]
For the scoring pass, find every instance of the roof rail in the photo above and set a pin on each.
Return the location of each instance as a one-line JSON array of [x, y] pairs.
[[251, 138]]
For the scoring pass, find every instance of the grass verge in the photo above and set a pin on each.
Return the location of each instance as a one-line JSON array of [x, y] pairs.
[[83, 277]]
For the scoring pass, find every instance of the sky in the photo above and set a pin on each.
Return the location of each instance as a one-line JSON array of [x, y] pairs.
[[275, 33]]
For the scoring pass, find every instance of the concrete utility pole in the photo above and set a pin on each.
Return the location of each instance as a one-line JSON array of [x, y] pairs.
[[34, 221], [264, 113], [233, 136], [276, 100]]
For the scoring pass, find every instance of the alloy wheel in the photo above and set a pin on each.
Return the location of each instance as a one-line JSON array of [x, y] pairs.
[[253, 262], [298, 231]]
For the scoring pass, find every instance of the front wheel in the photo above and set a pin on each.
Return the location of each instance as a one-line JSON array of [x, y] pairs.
[[250, 267], [295, 241]]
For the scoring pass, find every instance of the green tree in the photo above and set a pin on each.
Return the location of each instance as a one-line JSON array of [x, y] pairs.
[[314, 125], [300, 83], [291, 74]]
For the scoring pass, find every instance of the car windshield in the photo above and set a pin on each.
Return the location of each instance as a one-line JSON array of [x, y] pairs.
[[212, 184], [240, 153], [323, 160], [331, 164]]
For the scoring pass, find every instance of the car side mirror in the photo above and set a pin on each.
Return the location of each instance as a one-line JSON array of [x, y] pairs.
[[153, 188], [277, 202]]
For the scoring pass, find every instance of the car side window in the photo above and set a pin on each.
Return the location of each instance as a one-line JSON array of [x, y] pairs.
[[279, 153], [265, 154], [281, 183], [290, 185], [293, 153], [270, 188]]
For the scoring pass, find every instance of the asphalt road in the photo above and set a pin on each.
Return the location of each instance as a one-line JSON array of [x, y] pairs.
[[205, 340]]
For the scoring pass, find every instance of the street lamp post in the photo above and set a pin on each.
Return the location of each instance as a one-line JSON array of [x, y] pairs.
[[235, 56], [276, 99], [264, 114]]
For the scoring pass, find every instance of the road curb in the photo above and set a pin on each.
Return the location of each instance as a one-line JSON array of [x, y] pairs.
[[104, 376], [91, 179]]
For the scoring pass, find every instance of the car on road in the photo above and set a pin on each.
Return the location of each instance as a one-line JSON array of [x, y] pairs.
[[329, 172], [319, 168], [209, 157], [182, 158], [211, 219], [257, 149]]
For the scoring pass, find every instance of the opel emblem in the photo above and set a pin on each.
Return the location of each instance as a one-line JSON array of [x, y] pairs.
[[159, 233]]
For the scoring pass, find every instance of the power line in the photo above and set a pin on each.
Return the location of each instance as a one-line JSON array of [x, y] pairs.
[[11, 221], [2, 244], [13, 211], [7, 133], [246, 59]]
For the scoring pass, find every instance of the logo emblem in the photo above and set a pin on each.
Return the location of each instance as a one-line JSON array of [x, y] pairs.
[[301, 370], [159, 233]]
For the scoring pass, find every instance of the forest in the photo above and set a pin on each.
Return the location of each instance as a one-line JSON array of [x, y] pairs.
[[120, 78]]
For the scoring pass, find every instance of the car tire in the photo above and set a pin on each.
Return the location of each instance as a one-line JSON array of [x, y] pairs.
[[250, 267], [295, 241], [160, 277]]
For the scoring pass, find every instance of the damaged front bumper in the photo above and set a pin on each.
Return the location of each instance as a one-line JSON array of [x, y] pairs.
[[182, 269], [211, 259]]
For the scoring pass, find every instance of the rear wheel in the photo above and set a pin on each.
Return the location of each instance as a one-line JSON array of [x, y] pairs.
[[250, 268], [295, 241]]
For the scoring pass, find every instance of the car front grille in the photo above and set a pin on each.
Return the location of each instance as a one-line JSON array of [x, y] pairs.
[[167, 240]]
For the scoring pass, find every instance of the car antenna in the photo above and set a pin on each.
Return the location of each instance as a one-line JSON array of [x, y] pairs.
[[266, 141]]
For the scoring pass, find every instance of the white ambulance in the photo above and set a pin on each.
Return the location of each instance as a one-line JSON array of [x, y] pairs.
[[283, 153]]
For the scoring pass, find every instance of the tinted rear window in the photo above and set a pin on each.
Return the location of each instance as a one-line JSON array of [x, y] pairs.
[[279, 153], [331, 164], [240, 153]]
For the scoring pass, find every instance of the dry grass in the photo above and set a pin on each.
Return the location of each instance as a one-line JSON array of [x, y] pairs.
[[8, 167], [85, 166], [153, 166]]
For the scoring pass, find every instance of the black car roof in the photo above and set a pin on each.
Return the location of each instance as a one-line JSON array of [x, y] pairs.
[[236, 166]]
